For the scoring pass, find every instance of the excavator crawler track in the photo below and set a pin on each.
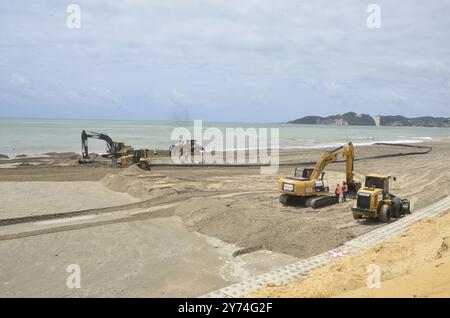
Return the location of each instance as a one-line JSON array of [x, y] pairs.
[[290, 200], [321, 201]]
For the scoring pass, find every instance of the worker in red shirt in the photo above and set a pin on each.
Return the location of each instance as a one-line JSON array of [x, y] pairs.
[[344, 191], [338, 192]]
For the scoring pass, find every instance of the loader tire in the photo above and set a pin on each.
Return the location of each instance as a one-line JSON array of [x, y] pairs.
[[385, 213], [396, 212]]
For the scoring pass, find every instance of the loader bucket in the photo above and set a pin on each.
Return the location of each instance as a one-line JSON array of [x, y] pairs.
[[406, 206]]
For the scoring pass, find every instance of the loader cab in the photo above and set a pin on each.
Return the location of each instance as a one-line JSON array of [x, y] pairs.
[[140, 154], [378, 181], [376, 200], [139, 157]]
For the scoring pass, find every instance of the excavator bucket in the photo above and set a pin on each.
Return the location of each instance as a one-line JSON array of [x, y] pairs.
[[353, 190]]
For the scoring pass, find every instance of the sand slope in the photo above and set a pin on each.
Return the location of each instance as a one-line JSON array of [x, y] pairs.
[[416, 264]]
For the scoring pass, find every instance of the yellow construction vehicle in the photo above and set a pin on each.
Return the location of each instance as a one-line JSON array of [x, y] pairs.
[[139, 157], [114, 149], [376, 201], [307, 186], [120, 154]]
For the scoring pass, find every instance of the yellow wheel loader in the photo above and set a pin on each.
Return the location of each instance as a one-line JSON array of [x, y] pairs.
[[375, 201], [307, 186], [139, 158]]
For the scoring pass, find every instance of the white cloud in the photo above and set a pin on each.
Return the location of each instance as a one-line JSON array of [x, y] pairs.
[[222, 58], [19, 80]]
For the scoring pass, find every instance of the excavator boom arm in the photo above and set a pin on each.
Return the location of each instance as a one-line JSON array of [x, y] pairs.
[[349, 154], [331, 156], [85, 135], [324, 161]]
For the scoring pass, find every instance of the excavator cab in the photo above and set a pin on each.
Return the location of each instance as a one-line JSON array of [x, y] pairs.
[[303, 173], [117, 146]]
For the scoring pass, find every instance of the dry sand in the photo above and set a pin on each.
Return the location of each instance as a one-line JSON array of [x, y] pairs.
[[416, 264], [236, 205], [37, 198], [142, 258]]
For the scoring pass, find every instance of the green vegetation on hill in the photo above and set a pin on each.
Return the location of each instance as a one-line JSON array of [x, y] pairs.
[[354, 119], [427, 121], [350, 118]]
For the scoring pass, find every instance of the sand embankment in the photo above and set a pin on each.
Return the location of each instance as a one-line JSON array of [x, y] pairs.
[[416, 264]]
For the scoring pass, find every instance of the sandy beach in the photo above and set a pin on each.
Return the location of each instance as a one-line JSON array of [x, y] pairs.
[[417, 264], [177, 231]]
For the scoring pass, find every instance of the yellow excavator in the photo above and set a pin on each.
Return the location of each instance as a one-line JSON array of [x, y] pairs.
[[120, 154], [114, 149], [307, 186]]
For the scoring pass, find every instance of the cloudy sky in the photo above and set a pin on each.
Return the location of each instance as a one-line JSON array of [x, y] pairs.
[[223, 60]]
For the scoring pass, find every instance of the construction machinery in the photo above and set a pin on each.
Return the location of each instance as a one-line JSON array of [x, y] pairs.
[[307, 187], [114, 149], [139, 158], [120, 154], [375, 200]]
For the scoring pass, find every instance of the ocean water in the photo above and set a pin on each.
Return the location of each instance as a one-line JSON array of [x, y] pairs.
[[37, 136]]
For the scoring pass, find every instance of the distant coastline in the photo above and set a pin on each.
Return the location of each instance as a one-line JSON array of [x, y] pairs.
[[355, 119]]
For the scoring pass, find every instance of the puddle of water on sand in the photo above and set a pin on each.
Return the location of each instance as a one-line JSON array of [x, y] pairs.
[[65, 220]]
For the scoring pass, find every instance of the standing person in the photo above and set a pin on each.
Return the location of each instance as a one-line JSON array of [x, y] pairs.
[[344, 191], [338, 192]]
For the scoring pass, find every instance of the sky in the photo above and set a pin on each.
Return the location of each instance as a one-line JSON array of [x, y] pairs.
[[223, 60]]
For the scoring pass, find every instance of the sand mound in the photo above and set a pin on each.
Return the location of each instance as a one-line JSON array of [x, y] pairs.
[[415, 264], [251, 224], [147, 185]]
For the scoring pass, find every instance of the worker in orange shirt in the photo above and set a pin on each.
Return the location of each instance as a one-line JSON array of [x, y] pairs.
[[338, 192], [344, 191]]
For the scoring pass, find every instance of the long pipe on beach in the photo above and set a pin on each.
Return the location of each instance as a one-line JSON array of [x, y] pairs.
[[427, 149]]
